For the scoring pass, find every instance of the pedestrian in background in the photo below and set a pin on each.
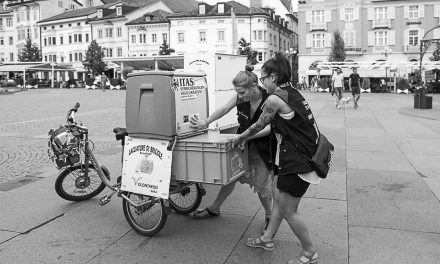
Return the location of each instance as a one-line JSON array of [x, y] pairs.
[[103, 81], [293, 126], [248, 100], [354, 82], [338, 84]]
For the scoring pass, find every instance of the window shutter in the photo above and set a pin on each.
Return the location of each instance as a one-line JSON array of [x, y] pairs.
[[437, 11], [421, 33], [328, 40], [406, 37], [308, 41], [406, 12], [328, 15], [342, 13], [436, 33], [370, 14], [308, 17], [355, 13], [421, 10], [391, 38], [391, 12], [370, 38]]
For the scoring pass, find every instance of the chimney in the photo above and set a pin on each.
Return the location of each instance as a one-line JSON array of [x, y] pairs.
[[221, 8], [282, 22], [277, 18], [202, 8], [5, 5]]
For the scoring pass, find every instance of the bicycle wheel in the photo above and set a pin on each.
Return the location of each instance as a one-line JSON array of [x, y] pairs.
[[147, 219], [72, 184], [187, 200]]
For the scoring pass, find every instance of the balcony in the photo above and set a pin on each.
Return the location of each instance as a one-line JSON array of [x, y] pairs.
[[382, 23], [314, 26], [411, 48]]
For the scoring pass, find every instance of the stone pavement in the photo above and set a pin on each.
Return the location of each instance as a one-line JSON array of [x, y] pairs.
[[380, 204]]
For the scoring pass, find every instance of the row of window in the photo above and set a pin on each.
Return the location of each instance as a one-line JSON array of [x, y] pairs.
[[75, 38], [3, 56], [376, 38], [78, 56], [377, 13], [142, 38], [108, 32], [2, 41]]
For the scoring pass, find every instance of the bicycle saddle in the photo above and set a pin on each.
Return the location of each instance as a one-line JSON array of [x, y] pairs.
[[120, 132]]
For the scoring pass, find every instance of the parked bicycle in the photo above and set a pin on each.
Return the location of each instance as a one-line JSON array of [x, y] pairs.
[[81, 178]]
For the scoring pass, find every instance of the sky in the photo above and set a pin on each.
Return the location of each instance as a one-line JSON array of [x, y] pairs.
[[245, 2]]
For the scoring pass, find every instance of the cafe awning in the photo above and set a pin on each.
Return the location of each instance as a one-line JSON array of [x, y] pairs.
[[48, 67], [165, 62]]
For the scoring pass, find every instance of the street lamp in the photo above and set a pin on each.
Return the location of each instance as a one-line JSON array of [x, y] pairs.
[[386, 51], [291, 53]]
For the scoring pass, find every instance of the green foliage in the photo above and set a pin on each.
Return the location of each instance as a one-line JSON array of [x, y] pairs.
[[115, 82], [165, 49], [403, 84], [436, 53], [19, 81], [245, 49], [366, 83], [90, 81], [338, 48], [32, 81], [71, 82], [93, 61], [29, 52]]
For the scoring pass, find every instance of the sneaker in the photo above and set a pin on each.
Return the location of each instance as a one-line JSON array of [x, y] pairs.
[[337, 106], [305, 258]]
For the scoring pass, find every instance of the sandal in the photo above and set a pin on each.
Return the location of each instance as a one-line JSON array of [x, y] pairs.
[[305, 258], [258, 243], [205, 213]]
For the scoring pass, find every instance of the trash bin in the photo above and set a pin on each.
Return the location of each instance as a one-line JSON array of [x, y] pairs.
[[422, 101]]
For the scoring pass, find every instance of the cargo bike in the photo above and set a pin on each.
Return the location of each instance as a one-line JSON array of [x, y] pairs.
[[197, 156]]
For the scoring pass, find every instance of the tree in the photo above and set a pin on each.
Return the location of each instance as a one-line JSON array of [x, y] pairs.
[[29, 52], [93, 62], [245, 49], [165, 49], [338, 48]]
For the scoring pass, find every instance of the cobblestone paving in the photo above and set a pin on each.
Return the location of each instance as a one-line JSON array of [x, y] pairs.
[[26, 117]]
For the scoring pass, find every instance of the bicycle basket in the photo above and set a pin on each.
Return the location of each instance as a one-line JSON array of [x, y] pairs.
[[63, 147]]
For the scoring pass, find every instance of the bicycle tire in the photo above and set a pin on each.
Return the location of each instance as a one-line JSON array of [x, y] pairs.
[[187, 200], [157, 216], [70, 182]]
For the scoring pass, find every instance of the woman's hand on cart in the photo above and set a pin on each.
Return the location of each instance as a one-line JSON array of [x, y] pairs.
[[197, 123], [238, 141]]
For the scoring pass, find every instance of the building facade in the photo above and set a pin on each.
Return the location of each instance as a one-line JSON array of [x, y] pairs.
[[373, 30], [18, 23]]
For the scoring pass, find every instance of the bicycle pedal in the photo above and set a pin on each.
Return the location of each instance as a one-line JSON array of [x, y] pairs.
[[104, 200]]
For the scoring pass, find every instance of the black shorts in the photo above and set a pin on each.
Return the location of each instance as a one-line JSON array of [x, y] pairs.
[[355, 90], [293, 185]]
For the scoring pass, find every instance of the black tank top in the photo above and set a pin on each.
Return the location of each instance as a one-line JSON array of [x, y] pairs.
[[299, 131], [245, 120]]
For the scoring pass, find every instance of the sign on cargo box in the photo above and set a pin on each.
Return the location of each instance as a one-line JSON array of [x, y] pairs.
[[147, 167], [188, 88]]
